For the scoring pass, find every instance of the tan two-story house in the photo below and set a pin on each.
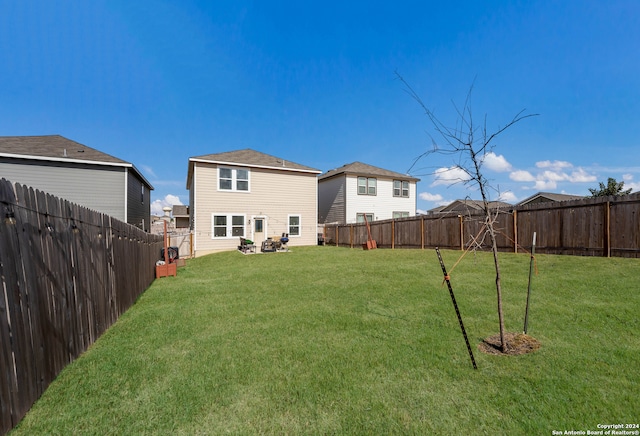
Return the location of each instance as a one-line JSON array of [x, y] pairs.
[[252, 195]]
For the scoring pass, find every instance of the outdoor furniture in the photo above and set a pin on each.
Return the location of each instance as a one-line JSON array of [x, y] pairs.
[[246, 246], [284, 240], [269, 246]]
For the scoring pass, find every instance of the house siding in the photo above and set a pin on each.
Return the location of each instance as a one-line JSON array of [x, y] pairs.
[[382, 205], [331, 206], [96, 187], [138, 202], [274, 194], [192, 203]]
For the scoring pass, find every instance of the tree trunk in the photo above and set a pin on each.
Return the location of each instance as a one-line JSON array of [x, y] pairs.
[[494, 248]]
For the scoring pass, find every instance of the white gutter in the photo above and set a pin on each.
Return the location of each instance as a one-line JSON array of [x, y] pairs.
[[78, 161], [193, 214], [126, 196]]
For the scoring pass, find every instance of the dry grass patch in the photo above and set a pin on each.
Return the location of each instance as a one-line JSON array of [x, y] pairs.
[[516, 344]]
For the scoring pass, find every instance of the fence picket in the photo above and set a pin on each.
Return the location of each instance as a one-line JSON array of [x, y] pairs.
[[65, 280]]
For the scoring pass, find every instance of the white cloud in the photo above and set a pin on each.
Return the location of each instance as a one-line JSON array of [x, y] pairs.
[[552, 176], [148, 170], [545, 185], [551, 173], [450, 176], [629, 183], [580, 176], [169, 200], [508, 197], [556, 165], [521, 176], [496, 162], [430, 197]]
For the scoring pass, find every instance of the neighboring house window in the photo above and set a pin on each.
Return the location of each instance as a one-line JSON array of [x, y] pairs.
[[367, 186], [228, 226], [294, 225], [142, 194], [400, 188], [400, 214], [233, 179], [360, 217]]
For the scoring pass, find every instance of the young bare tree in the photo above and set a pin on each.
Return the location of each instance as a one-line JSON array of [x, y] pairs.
[[469, 144]]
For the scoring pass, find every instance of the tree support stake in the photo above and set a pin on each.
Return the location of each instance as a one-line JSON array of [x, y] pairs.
[[455, 305]]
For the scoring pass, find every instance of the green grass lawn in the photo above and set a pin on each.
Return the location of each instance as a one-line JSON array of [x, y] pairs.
[[325, 340]]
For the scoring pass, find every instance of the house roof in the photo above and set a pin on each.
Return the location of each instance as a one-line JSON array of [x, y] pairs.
[[435, 210], [468, 204], [250, 158], [56, 148], [541, 197], [180, 210], [362, 169]]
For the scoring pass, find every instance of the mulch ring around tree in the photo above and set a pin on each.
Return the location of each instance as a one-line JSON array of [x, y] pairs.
[[517, 343]]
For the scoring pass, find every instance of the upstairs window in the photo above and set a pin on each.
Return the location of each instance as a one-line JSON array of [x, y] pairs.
[[367, 185], [233, 179], [400, 188]]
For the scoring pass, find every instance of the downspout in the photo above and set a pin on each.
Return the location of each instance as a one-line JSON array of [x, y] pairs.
[[194, 247], [126, 195]]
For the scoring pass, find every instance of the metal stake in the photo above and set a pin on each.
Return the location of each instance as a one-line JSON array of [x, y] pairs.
[[455, 305], [526, 311]]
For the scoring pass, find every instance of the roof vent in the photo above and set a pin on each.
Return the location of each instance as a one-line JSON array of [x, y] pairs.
[[64, 153]]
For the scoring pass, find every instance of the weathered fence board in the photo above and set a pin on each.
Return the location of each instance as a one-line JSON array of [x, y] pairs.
[[67, 273], [604, 226]]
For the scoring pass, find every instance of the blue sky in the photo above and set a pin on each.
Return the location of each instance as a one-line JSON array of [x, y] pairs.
[[156, 82]]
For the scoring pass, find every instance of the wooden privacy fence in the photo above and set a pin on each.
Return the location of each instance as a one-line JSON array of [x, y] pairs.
[[602, 226], [67, 274]]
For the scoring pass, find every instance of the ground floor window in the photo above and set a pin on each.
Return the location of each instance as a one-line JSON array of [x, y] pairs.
[[294, 225], [228, 225], [360, 217], [400, 214]]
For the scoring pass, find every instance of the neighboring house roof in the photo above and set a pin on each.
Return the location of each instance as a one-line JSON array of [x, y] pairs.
[[543, 197], [467, 204], [435, 210], [362, 169], [56, 148], [180, 210], [250, 158]]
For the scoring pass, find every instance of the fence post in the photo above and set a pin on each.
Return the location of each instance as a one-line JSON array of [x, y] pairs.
[[351, 236], [422, 232], [515, 231], [461, 218], [607, 229], [393, 234]]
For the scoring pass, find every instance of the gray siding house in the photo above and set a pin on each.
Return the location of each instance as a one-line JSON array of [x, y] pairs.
[[77, 173]]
